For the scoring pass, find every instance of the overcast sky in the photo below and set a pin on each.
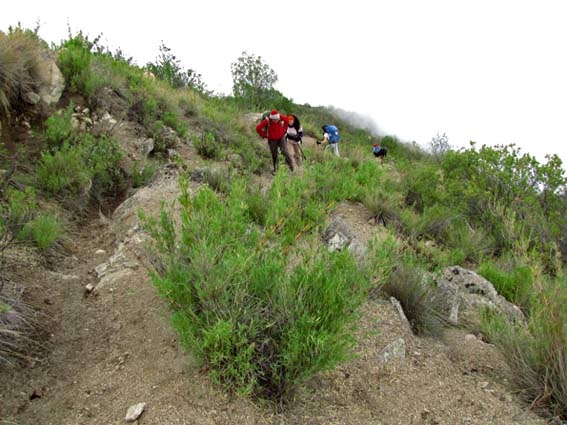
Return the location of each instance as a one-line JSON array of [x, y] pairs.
[[491, 71]]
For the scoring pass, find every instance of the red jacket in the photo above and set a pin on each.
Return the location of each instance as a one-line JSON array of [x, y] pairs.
[[275, 130]]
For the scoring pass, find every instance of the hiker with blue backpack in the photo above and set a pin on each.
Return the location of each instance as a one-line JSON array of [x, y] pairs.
[[379, 151], [331, 137], [274, 129]]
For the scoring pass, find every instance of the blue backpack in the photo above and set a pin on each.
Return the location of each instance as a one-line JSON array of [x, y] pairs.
[[333, 131]]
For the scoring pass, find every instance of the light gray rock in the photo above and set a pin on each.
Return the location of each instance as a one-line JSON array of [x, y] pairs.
[[134, 412], [394, 350]]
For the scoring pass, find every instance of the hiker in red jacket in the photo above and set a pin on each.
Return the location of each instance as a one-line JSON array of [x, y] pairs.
[[274, 128]]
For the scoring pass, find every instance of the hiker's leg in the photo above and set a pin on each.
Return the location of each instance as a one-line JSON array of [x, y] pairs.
[[291, 150], [336, 148], [273, 144], [283, 146]]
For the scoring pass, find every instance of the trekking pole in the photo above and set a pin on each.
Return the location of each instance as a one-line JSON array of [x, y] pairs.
[[301, 150]]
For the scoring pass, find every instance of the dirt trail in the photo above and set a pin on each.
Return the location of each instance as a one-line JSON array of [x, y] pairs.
[[115, 347]]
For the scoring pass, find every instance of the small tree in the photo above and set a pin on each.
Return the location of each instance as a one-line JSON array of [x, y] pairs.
[[167, 67], [439, 145], [252, 80]]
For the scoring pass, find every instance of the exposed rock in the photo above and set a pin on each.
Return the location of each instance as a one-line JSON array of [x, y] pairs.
[[51, 81], [339, 236], [400, 311], [134, 412], [31, 97], [146, 146], [465, 290], [394, 350]]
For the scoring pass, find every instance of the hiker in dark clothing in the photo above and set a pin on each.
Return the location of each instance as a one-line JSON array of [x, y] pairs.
[[294, 137], [274, 128], [379, 152]]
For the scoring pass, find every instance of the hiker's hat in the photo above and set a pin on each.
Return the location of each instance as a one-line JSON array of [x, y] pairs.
[[274, 115]]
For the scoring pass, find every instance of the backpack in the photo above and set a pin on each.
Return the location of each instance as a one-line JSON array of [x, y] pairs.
[[376, 148], [333, 131], [265, 115]]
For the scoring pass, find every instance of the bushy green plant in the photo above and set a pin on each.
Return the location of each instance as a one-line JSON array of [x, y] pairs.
[[43, 230], [422, 185], [218, 180], [63, 171], [150, 110], [207, 146], [294, 207], [258, 204], [261, 327], [167, 68], [172, 120], [141, 177], [88, 163], [101, 157], [59, 128], [20, 205], [254, 161], [164, 137], [16, 209], [74, 61], [514, 285]]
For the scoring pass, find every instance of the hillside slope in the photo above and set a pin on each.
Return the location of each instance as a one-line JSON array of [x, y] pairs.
[[114, 347]]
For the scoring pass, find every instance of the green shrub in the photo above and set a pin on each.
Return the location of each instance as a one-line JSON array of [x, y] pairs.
[[150, 110], [63, 171], [16, 209], [258, 204], [74, 61], [217, 179], [172, 120], [59, 128], [101, 157], [142, 177], [90, 163], [43, 230], [514, 285], [262, 328], [207, 146]]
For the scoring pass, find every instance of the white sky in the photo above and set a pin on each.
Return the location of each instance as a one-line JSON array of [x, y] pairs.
[[492, 71]]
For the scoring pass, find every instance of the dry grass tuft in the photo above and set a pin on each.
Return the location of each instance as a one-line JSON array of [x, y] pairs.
[[20, 66], [20, 339]]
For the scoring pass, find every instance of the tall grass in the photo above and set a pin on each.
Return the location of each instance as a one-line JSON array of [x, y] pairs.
[[537, 352], [423, 310]]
